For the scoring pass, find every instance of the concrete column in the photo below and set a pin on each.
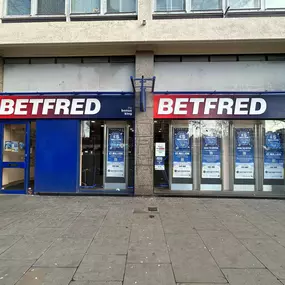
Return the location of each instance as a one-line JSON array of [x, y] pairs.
[[144, 130], [145, 9]]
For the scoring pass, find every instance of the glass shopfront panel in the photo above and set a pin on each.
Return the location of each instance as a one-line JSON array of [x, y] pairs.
[[241, 156], [107, 155]]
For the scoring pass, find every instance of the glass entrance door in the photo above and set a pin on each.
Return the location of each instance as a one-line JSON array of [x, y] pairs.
[[15, 158]]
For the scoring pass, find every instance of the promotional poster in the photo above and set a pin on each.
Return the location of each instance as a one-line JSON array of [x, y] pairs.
[[211, 157], [159, 163], [116, 153], [182, 159], [273, 156], [244, 154]]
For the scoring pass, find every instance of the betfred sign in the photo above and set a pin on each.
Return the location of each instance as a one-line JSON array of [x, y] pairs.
[[53, 107], [182, 106]]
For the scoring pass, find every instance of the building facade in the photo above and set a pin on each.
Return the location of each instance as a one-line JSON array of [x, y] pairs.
[[202, 115]]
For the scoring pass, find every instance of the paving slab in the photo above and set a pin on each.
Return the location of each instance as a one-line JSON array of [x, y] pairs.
[[250, 277], [208, 224], [65, 252], [76, 230], [26, 249], [228, 251], [148, 254], [111, 240], [94, 283], [50, 276], [191, 260], [7, 241], [12, 270], [270, 253], [101, 268], [149, 274]]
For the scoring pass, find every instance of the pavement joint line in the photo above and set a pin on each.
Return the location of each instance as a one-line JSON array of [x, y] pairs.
[[102, 222], [168, 250]]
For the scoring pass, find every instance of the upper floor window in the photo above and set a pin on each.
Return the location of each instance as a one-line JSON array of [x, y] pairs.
[[216, 5], [58, 7]]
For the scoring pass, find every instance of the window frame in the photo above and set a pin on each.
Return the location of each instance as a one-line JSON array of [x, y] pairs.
[[67, 13], [224, 8]]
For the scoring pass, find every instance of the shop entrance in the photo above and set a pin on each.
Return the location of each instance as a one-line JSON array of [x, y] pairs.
[[17, 157], [106, 155]]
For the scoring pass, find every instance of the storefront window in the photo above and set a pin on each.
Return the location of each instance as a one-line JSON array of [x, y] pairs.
[[107, 155], [219, 155]]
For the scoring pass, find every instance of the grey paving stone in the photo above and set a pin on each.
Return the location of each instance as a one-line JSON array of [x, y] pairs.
[[173, 226], [50, 276], [20, 227], [76, 230], [148, 254], [101, 268], [111, 240], [207, 224], [12, 270], [94, 283], [44, 234], [270, 253], [191, 261], [202, 283], [65, 252], [149, 274], [146, 219], [26, 249], [147, 235], [282, 281], [228, 251], [7, 241], [250, 277], [57, 222]]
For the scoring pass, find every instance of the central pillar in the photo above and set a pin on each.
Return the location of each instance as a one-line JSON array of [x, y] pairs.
[[144, 129]]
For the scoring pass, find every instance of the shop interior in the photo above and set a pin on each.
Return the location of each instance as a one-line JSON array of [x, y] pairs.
[[107, 155]]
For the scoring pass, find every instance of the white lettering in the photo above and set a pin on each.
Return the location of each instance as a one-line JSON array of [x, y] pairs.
[[36, 103], [165, 106], [7, 107], [209, 106], [196, 102], [77, 107], [88, 108], [48, 105], [62, 105], [241, 103], [180, 105], [225, 104], [20, 105], [253, 106]]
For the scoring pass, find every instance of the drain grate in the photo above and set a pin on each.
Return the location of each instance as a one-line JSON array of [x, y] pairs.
[[152, 209]]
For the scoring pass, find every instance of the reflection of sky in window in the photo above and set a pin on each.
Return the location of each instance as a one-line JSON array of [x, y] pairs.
[[19, 7], [244, 4], [275, 3], [274, 125]]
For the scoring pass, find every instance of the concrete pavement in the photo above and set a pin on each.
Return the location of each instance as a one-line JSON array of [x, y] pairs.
[[119, 241]]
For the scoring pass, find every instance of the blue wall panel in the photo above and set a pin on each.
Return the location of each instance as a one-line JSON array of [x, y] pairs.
[[57, 156]]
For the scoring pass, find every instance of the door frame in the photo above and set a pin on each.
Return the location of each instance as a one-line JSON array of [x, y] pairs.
[[16, 164]]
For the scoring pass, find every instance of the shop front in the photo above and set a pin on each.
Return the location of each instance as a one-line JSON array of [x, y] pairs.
[[219, 144], [68, 142]]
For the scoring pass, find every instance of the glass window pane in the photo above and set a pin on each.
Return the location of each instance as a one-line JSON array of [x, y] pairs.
[[275, 4], [51, 7], [121, 6], [170, 5], [203, 5], [85, 6], [18, 7], [244, 4]]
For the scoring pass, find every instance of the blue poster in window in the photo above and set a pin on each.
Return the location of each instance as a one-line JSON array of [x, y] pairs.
[[273, 156], [211, 157], [244, 154], [116, 153], [182, 158], [159, 163]]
